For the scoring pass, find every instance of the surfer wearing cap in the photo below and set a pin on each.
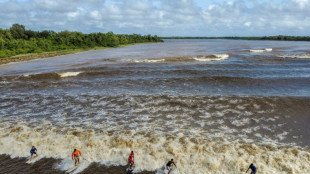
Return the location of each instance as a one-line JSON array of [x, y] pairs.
[[168, 165], [253, 168], [131, 159], [33, 151], [76, 156]]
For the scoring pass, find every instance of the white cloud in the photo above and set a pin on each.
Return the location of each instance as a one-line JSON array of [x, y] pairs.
[[212, 6], [302, 3], [162, 17], [95, 15], [230, 3], [248, 24]]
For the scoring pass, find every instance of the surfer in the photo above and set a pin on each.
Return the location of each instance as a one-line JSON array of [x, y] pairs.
[[131, 160], [168, 165], [76, 156], [33, 151], [253, 168]]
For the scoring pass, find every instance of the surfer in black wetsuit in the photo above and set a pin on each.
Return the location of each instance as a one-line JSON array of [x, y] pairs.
[[168, 165], [253, 168]]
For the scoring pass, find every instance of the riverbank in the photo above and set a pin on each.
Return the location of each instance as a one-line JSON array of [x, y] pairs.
[[31, 56], [275, 38]]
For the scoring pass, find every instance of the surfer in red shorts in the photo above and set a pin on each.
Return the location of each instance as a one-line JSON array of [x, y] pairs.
[[131, 159]]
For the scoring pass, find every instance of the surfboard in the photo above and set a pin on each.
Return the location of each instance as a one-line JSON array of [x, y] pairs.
[[30, 161], [72, 169], [174, 170], [129, 171]]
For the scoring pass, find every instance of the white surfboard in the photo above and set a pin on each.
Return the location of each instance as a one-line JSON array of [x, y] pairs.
[[174, 170], [72, 169], [128, 170], [31, 160]]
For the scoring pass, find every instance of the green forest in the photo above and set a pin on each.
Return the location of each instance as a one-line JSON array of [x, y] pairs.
[[17, 40], [280, 37]]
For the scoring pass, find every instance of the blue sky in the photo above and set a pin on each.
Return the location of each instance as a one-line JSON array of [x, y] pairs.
[[162, 17]]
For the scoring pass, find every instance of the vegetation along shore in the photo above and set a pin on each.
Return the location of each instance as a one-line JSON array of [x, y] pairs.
[[280, 38], [18, 44]]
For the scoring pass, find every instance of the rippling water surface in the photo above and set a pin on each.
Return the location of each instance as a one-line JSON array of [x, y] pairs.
[[212, 105]]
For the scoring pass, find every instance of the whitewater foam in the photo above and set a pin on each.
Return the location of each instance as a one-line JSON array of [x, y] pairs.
[[260, 50], [4, 82], [211, 130], [215, 57], [153, 150], [68, 74], [296, 56], [207, 58], [148, 60], [67, 163]]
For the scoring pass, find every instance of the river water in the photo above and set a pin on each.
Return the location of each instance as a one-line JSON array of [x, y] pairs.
[[215, 106]]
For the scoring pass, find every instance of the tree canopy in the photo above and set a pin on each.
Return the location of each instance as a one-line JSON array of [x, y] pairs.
[[17, 40]]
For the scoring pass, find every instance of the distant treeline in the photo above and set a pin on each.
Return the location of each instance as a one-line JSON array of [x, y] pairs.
[[17, 40], [280, 37]]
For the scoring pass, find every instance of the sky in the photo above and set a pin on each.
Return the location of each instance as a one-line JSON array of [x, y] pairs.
[[162, 17]]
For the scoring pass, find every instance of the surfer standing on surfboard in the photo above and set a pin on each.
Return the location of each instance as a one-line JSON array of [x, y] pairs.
[[168, 165], [253, 168], [33, 150], [76, 156], [131, 159]]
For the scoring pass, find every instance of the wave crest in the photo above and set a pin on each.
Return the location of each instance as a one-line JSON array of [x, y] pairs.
[[68, 74], [296, 56], [206, 58], [260, 50], [215, 57], [153, 149]]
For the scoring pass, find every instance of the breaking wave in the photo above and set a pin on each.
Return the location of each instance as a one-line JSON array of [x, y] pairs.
[[52, 75], [207, 58], [203, 134], [68, 74], [260, 50], [192, 153], [215, 57], [296, 56], [148, 60]]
